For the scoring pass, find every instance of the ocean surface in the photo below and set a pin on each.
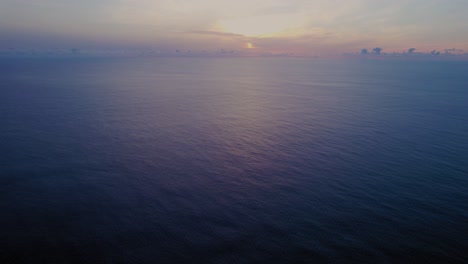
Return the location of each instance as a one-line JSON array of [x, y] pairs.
[[233, 160]]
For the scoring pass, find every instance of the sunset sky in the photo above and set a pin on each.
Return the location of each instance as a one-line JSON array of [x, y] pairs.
[[303, 26]]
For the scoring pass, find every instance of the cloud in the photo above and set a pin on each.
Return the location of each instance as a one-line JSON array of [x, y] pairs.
[[215, 33], [377, 50], [319, 26]]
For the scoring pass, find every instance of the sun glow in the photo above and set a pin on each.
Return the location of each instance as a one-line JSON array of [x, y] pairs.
[[249, 45], [259, 25]]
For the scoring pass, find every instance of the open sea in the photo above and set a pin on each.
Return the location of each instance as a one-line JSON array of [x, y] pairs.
[[233, 160]]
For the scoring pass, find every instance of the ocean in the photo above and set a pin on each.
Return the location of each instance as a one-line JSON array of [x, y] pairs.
[[233, 160]]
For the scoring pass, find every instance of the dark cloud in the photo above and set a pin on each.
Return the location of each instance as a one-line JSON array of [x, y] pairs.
[[377, 50], [453, 51]]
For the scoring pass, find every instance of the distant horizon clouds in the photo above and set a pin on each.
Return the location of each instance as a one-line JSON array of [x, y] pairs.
[[312, 27]]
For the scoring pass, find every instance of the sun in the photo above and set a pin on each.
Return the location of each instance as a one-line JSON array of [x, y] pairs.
[[249, 45]]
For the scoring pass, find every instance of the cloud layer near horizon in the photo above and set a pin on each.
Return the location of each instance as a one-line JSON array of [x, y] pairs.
[[314, 26]]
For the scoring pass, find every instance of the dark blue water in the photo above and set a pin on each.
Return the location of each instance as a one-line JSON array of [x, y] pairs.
[[171, 160]]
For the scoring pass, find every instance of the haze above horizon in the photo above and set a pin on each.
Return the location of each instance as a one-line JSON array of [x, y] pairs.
[[296, 26]]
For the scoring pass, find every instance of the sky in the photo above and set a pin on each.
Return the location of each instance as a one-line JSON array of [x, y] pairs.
[[278, 26]]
